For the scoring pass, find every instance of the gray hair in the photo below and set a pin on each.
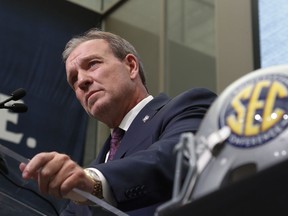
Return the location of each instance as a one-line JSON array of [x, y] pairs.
[[119, 46]]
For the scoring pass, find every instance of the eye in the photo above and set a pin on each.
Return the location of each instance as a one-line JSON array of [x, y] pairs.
[[93, 63]]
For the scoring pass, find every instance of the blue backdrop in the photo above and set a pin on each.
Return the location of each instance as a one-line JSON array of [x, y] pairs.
[[33, 36]]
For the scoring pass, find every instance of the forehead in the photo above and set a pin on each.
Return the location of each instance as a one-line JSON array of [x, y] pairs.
[[91, 47]]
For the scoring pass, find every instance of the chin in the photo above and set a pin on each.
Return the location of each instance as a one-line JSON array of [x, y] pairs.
[[94, 111]]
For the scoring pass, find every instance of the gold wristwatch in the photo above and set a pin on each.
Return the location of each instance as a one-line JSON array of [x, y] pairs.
[[97, 188]]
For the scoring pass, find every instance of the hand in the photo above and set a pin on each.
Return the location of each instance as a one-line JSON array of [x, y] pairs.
[[56, 174]]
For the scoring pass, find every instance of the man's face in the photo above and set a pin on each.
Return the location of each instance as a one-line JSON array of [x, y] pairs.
[[100, 80]]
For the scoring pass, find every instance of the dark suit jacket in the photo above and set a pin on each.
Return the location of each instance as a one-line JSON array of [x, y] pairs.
[[141, 174]]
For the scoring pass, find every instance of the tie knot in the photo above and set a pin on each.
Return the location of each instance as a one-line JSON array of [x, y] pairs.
[[117, 133]]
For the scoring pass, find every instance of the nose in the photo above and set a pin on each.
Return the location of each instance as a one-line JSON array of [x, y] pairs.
[[84, 81]]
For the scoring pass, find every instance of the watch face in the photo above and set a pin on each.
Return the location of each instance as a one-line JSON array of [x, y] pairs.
[[92, 174]]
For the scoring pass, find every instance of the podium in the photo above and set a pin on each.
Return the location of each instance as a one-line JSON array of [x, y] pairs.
[[11, 206], [265, 193], [18, 196]]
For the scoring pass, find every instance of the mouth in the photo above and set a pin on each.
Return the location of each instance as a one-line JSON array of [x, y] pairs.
[[90, 95]]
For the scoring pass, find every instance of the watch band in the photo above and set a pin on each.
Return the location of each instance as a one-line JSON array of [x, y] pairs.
[[97, 187]]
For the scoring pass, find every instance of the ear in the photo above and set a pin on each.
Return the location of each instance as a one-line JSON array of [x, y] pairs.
[[133, 64]]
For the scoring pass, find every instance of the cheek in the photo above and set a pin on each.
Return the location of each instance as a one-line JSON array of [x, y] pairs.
[[119, 78], [80, 97]]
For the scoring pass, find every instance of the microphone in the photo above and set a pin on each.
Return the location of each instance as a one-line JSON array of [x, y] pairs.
[[16, 107], [15, 95]]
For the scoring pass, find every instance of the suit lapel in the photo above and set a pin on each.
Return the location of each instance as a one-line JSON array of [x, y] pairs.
[[134, 135]]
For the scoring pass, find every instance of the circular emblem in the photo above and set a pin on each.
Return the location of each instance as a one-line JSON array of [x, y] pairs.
[[256, 111]]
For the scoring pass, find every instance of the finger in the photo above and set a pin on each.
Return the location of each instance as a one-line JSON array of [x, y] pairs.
[[22, 166], [36, 163], [48, 183], [77, 180], [69, 174], [49, 186]]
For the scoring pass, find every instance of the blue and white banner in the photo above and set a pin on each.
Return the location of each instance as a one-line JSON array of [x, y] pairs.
[[33, 36]]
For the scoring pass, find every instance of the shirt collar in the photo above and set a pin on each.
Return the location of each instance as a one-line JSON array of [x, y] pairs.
[[130, 116]]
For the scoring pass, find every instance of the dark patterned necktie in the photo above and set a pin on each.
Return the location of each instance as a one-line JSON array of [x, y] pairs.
[[116, 137]]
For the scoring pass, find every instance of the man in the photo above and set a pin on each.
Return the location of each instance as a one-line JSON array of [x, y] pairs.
[[108, 78]]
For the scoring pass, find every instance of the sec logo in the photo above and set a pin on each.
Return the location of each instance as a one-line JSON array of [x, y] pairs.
[[257, 111]]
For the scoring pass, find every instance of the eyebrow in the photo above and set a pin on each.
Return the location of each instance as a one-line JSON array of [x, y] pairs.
[[86, 58]]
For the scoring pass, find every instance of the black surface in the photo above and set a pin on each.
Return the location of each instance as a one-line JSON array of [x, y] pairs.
[[18, 195], [11, 206], [265, 193]]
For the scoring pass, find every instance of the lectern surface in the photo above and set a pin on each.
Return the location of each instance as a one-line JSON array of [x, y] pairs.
[[265, 193], [12, 207]]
